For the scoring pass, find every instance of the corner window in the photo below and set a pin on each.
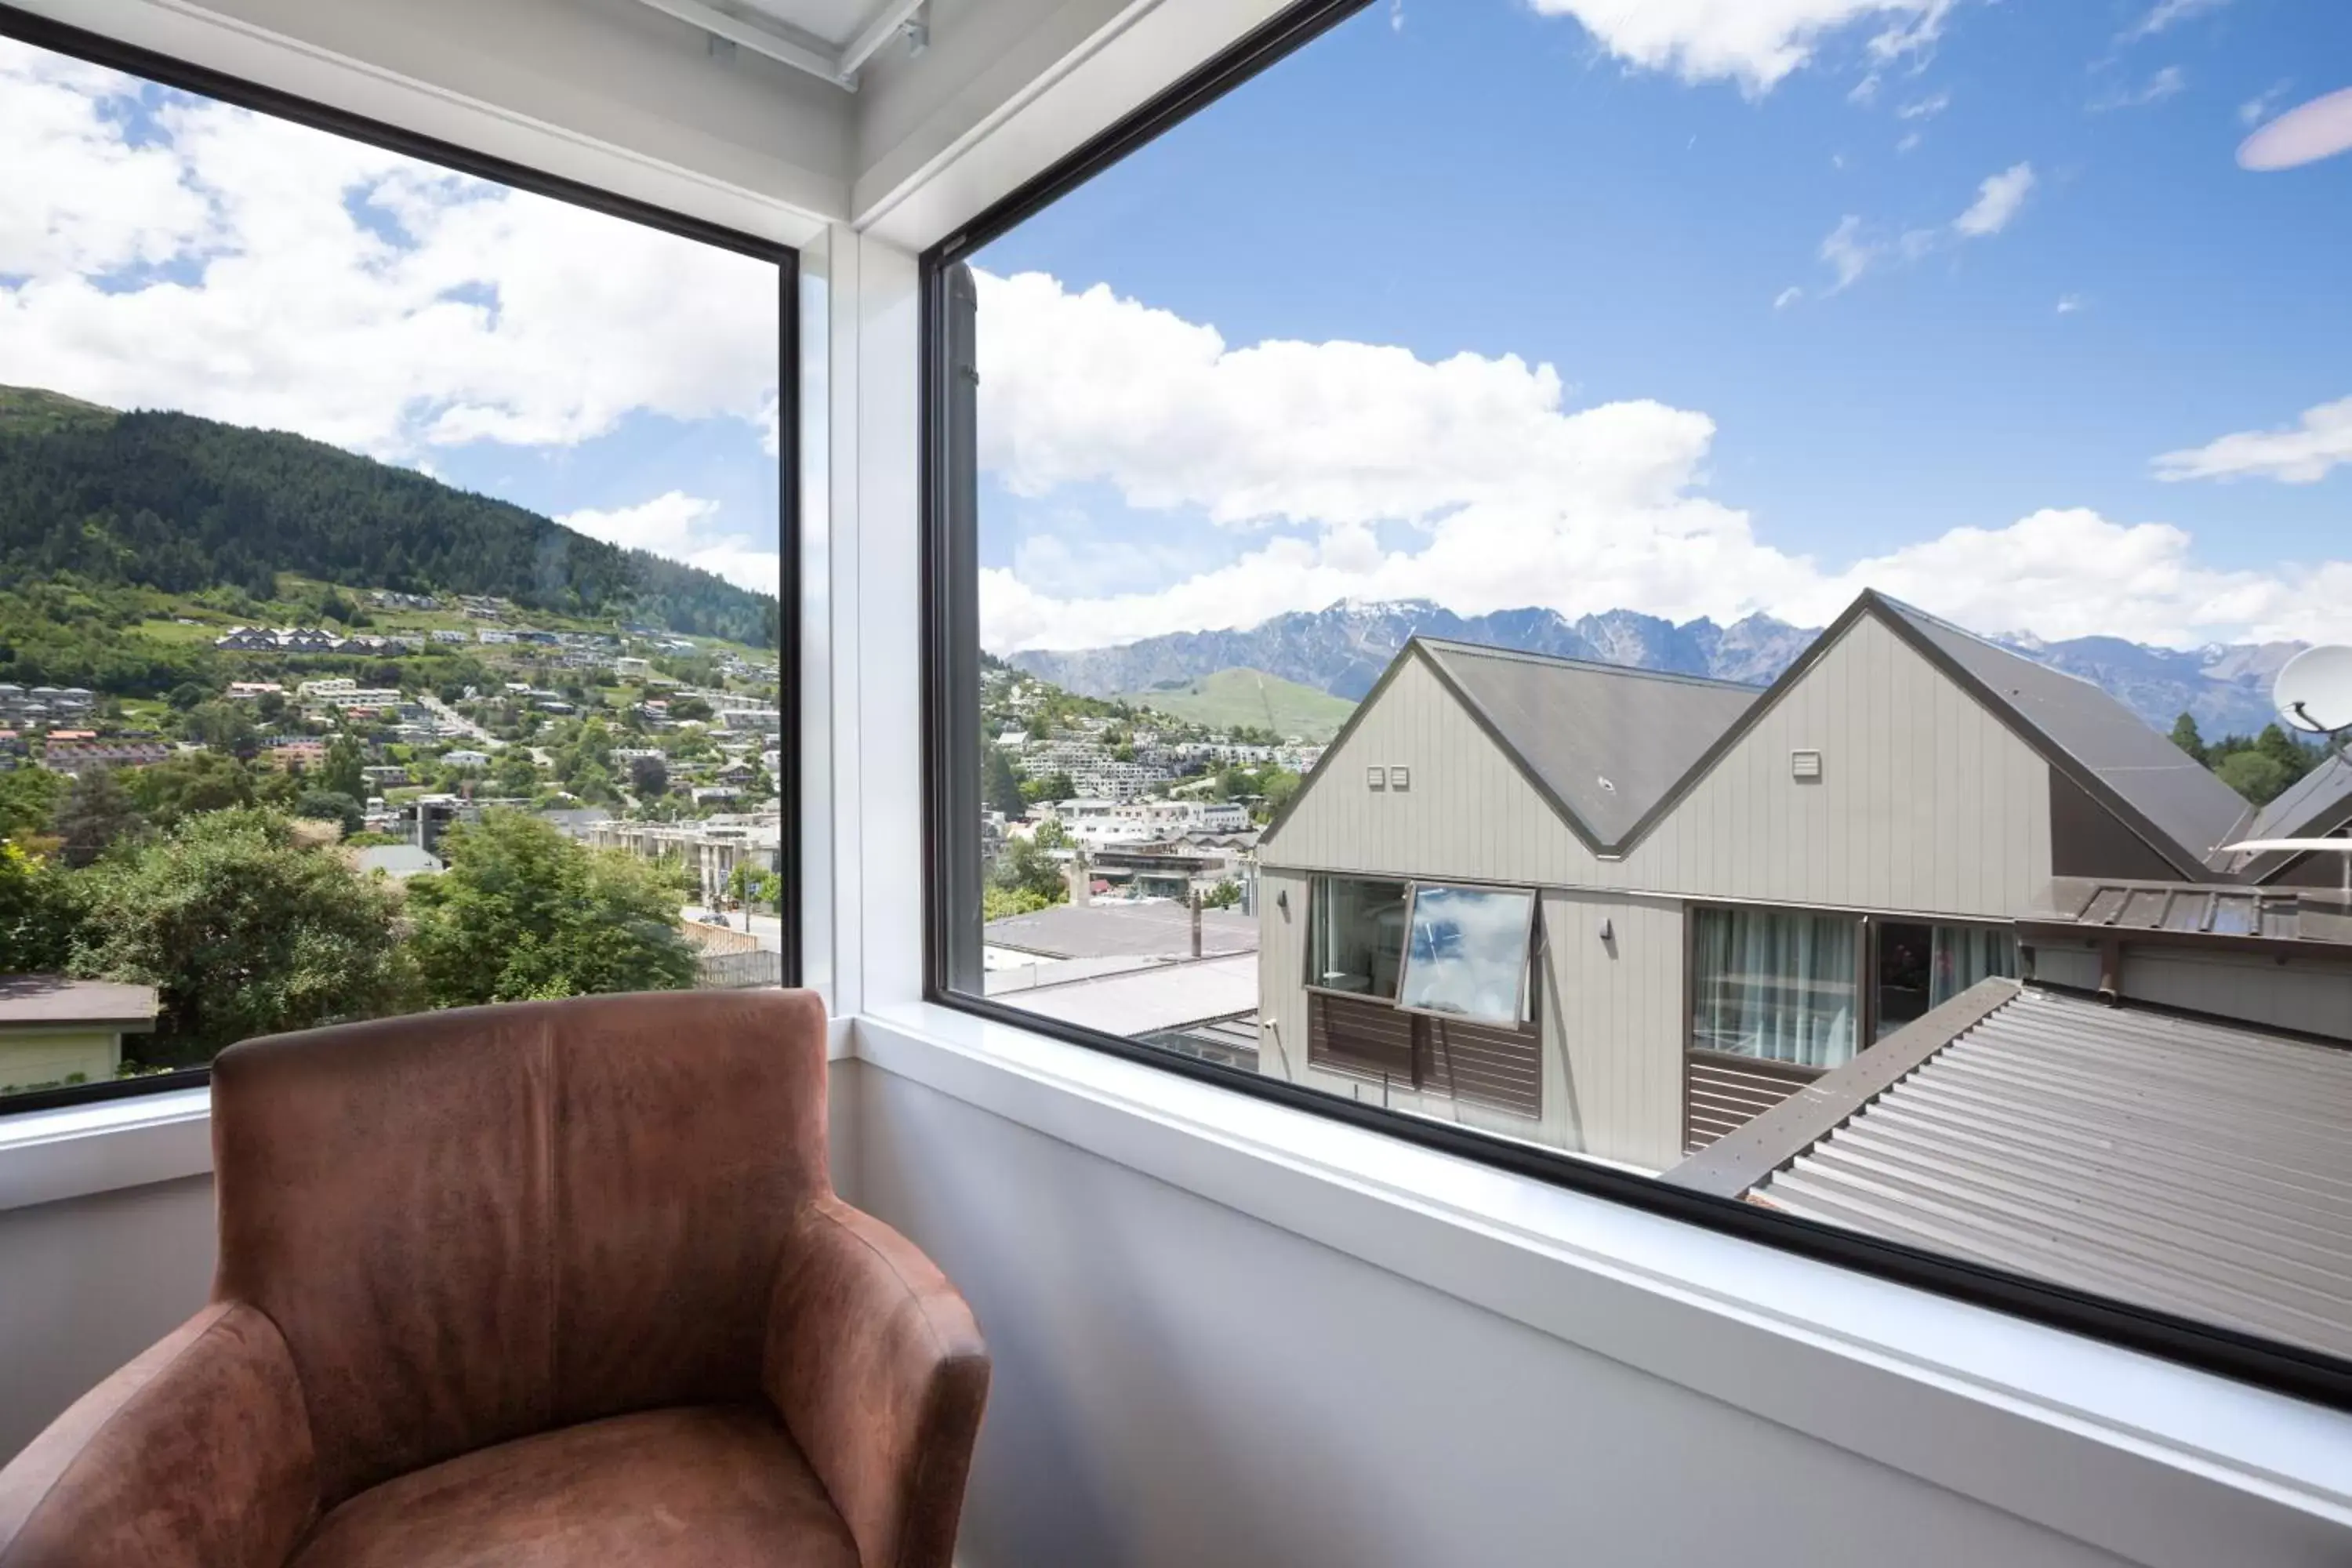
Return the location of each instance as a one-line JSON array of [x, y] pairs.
[[1582, 706], [395, 585]]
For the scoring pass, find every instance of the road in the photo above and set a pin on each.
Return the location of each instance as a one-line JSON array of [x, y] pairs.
[[448, 718], [768, 931]]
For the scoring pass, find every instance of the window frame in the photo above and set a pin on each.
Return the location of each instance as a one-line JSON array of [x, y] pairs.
[[167, 71], [948, 606]]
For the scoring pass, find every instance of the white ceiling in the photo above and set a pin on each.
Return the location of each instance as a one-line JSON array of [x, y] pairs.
[[827, 38], [832, 22]]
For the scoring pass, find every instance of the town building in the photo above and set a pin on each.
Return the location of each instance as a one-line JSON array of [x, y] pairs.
[[1622, 913], [54, 1031]]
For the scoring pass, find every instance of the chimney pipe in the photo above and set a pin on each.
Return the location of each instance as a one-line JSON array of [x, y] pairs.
[[1196, 922]]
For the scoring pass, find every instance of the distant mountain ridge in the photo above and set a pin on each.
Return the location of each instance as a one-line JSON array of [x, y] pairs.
[[1343, 648], [175, 502]]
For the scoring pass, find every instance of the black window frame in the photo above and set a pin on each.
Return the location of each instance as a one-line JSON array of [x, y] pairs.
[[948, 563], [167, 71]]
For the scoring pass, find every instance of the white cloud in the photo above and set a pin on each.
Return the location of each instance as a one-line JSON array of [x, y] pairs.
[[2159, 87], [1787, 297], [1908, 140], [680, 527], [211, 261], [2262, 105], [2164, 14], [1848, 254], [1514, 498], [2301, 454], [1926, 107], [1754, 43], [1998, 199], [1088, 386], [2069, 303]]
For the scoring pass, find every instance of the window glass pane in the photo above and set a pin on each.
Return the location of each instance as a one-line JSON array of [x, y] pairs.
[[1359, 935], [1468, 952], [389, 563], [1831, 520], [1775, 985]]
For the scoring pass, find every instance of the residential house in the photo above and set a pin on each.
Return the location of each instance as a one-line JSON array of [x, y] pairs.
[[1619, 912], [75, 756], [58, 1031]]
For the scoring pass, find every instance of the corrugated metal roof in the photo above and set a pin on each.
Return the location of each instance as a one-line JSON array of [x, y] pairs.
[[2200, 1168], [1140, 928], [1609, 742], [2176, 795]]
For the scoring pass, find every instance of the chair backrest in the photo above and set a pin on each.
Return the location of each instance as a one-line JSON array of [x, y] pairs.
[[474, 1225]]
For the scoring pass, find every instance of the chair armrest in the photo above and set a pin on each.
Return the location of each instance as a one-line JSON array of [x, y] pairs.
[[197, 1453], [875, 1367]]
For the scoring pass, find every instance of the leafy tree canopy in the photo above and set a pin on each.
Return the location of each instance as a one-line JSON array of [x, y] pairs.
[[242, 929], [524, 912]]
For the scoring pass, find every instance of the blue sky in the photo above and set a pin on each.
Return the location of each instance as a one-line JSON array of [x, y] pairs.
[[166, 251], [1627, 201]]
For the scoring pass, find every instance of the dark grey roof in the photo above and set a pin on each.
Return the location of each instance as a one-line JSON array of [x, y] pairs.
[[2170, 791], [2314, 803], [2317, 805], [2196, 1167], [1119, 929], [1575, 724]]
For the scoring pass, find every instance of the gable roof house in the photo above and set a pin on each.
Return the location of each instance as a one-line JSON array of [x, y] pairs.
[[1621, 912]]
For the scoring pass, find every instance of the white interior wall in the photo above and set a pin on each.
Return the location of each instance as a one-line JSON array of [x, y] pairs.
[[1178, 1383]]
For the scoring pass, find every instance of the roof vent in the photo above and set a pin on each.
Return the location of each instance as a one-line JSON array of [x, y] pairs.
[[1605, 784]]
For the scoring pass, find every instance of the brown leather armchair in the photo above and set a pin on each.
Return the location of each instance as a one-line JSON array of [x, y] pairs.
[[552, 1283]]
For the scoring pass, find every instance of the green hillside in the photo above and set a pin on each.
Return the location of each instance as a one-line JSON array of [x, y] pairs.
[[177, 504], [1233, 698]]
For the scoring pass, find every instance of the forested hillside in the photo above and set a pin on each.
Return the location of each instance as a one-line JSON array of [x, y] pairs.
[[173, 502]]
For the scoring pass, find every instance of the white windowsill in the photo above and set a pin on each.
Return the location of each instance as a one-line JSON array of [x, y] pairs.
[[2156, 1462], [77, 1151]]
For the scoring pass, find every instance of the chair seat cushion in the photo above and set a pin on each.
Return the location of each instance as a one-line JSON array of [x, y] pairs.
[[709, 1486]]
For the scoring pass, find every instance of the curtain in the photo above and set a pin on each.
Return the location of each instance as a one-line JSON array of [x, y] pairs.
[[1962, 955], [1774, 984]]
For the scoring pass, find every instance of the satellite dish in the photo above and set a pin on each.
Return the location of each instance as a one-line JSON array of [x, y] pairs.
[[2313, 691]]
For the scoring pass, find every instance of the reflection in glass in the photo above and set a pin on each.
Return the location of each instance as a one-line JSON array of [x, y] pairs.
[[1469, 953]]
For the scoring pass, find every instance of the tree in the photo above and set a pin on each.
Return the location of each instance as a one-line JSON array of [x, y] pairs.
[[94, 815], [649, 778], [341, 772], [524, 912], [1053, 786], [242, 929], [2185, 736], [1000, 786], [753, 886], [690, 708], [1225, 895], [514, 773], [28, 800], [39, 916], [1051, 834], [177, 788], [2275, 744], [331, 806], [2258, 776], [186, 695], [223, 726]]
